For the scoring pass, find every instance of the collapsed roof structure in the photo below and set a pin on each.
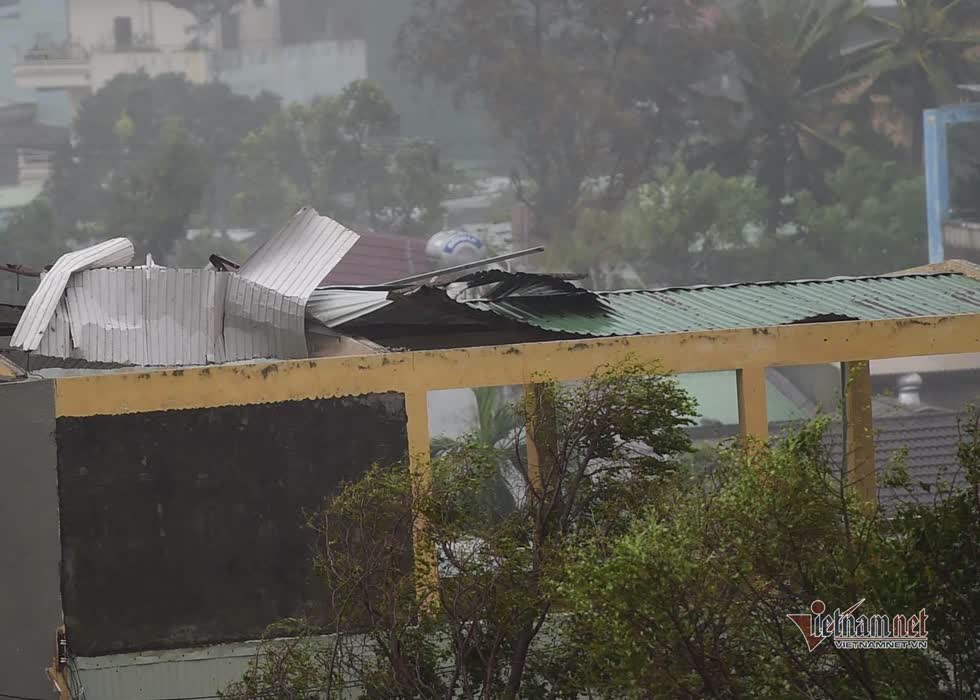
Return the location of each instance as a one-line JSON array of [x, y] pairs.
[[90, 306]]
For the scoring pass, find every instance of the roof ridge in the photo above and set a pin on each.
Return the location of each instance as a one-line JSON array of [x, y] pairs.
[[777, 283]]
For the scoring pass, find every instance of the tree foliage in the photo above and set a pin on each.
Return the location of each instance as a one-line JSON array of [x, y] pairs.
[[484, 633], [148, 154], [153, 156], [683, 228], [152, 202], [935, 548], [343, 155], [701, 228], [692, 601], [578, 87], [626, 573], [787, 55], [28, 238], [872, 223], [924, 54]]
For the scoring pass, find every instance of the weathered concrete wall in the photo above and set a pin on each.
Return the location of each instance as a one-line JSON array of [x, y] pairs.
[[185, 528], [30, 606]]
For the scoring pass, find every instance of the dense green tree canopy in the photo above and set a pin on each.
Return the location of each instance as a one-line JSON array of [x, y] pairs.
[[159, 138], [582, 89], [343, 155]]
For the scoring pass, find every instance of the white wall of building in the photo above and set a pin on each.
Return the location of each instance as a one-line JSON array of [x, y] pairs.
[[259, 26], [193, 65], [165, 27], [34, 22], [297, 73]]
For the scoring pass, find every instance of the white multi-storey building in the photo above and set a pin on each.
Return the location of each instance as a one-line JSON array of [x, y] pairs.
[[295, 48]]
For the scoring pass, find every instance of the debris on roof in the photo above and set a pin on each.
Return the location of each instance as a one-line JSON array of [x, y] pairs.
[[542, 303], [50, 294], [9, 371], [266, 299], [379, 257], [90, 307]]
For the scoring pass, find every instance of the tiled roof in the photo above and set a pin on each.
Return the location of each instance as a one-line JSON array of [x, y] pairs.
[[926, 443], [378, 258]]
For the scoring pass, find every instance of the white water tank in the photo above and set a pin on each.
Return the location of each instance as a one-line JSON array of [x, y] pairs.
[[456, 247]]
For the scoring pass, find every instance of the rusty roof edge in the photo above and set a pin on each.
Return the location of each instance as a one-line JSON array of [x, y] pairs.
[[959, 267]]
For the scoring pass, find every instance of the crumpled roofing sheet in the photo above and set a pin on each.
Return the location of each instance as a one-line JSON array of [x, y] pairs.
[[146, 315], [88, 308], [266, 300], [334, 307], [50, 292]]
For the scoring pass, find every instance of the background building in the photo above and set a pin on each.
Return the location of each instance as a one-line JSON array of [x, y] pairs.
[[294, 48]]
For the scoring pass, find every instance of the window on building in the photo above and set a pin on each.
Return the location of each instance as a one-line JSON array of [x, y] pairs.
[[303, 21], [122, 32], [231, 31], [346, 20]]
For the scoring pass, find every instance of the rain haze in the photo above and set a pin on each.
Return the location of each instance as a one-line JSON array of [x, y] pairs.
[[294, 293]]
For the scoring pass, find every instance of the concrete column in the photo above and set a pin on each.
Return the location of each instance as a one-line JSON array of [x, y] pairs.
[[542, 436], [753, 415], [426, 564], [860, 431]]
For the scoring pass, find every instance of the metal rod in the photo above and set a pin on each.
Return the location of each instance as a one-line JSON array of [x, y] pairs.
[[465, 266]]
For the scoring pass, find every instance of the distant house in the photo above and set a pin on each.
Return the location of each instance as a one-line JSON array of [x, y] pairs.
[[26, 149], [293, 48], [922, 439]]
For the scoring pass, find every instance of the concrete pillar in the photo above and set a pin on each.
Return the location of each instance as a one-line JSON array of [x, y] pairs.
[[860, 431], [542, 436], [753, 415], [420, 466]]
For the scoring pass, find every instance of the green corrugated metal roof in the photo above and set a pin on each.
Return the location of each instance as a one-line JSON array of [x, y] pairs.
[[647, 312]]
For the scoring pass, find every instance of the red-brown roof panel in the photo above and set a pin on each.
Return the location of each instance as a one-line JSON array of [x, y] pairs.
[[378, 258]]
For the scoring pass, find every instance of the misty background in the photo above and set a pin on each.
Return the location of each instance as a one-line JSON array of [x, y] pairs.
[[645, 143]]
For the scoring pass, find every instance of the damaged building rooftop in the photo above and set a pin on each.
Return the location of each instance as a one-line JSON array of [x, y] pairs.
[[94, 309]]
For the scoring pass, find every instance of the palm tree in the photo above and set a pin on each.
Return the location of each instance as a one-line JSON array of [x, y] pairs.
[[787, 56], [928, 49], [494, 429]]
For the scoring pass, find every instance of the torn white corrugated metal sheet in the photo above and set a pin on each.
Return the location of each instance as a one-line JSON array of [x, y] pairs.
[[43, 303], [56, 341], [87, 307], [266, 300], [146, 315], [334, 307]]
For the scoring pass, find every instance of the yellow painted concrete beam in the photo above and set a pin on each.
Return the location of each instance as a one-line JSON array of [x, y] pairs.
[[253, 383], [753, 413]]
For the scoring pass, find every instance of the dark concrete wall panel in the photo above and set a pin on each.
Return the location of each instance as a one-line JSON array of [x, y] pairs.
[[182, 528], [30, 606]]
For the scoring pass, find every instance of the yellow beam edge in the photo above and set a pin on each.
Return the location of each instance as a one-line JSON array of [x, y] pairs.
[[252, 383]]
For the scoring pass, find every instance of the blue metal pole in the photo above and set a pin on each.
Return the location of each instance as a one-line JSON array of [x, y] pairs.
[[937, 180]]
